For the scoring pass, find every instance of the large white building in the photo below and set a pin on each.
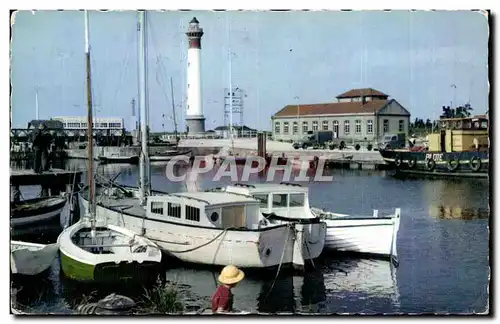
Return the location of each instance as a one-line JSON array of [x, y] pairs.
[[99, 123], [358, 114]]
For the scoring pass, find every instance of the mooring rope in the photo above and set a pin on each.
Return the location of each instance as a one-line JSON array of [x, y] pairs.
[[281, 262]]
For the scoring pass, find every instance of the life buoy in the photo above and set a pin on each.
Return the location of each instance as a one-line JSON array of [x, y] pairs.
[[475, 164], [398, 161], [453, 164], [431, 164], [412, 162]]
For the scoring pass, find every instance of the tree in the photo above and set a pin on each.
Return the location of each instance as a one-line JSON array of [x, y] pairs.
[[463, 111]]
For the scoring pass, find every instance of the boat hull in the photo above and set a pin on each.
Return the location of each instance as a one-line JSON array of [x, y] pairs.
[[366, 236], [440, 164], [109, 271], [37, 216], [260, 248], [31, 259], [119, 159], [120, 265]]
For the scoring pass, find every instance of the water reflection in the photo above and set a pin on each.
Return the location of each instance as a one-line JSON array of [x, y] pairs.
[[464, 200]]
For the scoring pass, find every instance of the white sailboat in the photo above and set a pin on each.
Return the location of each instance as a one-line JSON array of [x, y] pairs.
[[92, 250], [31, 258], [209, 228]]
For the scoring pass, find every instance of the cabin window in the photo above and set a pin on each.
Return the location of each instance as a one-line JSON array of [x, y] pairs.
[[233, 217], [263, 200], [369, 126], [174, 210], [157, 207], [280, 200], [297, 200], [192, 213], [358, 127]]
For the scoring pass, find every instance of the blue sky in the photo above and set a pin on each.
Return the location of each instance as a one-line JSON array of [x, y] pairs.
[[414, 57]]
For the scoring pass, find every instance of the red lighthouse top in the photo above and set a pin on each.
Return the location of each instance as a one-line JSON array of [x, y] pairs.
[[194, 33]]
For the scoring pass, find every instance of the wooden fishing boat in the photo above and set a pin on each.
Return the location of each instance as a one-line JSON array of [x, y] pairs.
[[31, 258], [168, 155], [37, 211], [117, 158], [106, 253]]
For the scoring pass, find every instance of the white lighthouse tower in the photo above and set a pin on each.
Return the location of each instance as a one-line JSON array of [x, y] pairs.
[[195, 121]]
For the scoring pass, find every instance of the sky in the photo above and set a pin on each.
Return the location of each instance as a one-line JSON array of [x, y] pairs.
[[279, 58]]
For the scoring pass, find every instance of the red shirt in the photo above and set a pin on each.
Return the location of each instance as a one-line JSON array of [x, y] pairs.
[[222, 298]]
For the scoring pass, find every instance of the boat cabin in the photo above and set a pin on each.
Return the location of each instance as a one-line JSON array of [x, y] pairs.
[[206, 209], [460, 134], [286, 199]]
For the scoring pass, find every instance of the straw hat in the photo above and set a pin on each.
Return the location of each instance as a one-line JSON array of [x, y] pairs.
[[231, 275]]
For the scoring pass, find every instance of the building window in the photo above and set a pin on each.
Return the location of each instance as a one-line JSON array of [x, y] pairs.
[[305, 127], [336, 128], [277, 127], [285, 127], [386, 125], [192, 213], [369, 126], [174, 210], [315, 126], [295, 127], [347, 127], [157, 207], [358, 126], [325, 125], [401, 125]]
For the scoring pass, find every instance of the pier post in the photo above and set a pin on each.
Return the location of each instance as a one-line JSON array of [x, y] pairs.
[[261, 148]]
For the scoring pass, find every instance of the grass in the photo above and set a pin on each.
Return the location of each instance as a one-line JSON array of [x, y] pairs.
[[160, 299]]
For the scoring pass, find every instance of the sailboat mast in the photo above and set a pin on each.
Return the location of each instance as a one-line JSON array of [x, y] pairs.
[[142, 107], [90, 145], [173, 107], [36, 103], [230, 90]]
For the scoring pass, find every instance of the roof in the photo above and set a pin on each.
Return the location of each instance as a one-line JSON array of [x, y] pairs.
[[362, 92], [214, 198], [194, 21], [335, 108], [50, 124], [236, 127], [265, 188]]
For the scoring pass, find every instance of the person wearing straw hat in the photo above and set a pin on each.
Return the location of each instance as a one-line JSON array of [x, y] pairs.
[[222, 299]]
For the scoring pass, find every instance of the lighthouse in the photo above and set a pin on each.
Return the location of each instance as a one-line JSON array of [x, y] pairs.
[[195, 121]]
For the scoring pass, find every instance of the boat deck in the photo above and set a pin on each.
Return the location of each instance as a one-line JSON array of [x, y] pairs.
[[129, 205]]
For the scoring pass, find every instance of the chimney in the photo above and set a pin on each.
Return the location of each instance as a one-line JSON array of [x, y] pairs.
[[363, 99]]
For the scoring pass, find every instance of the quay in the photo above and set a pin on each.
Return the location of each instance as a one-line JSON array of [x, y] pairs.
[[53, 182], [346, 158]]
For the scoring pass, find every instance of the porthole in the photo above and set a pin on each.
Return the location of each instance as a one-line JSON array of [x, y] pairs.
[[268, 251], [214, 217]]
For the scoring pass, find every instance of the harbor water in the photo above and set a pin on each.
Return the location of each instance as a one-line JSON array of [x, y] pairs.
[[443, 248]]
